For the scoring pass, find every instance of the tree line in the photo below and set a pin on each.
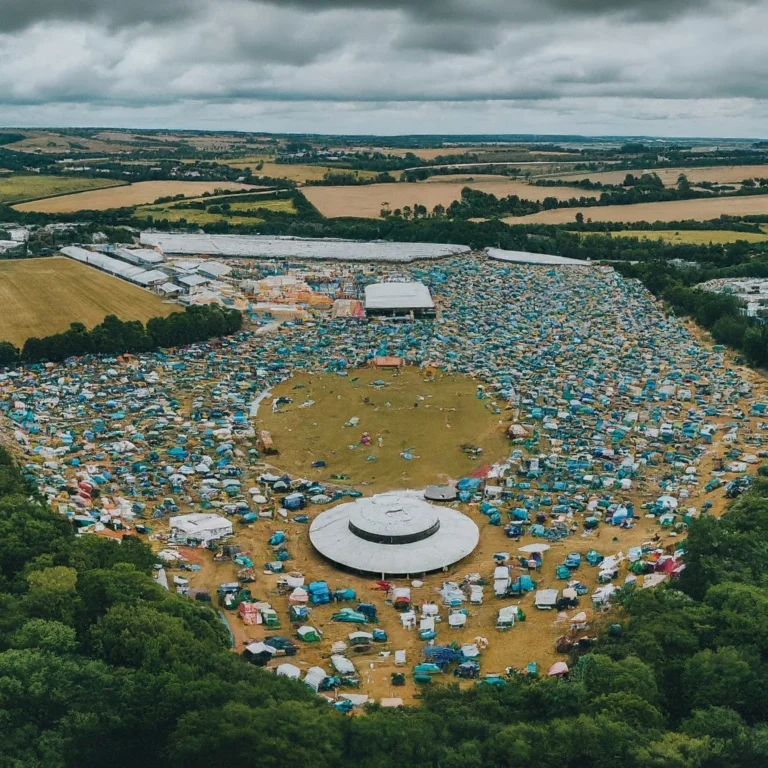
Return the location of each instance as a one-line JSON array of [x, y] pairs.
[[723, 315], [115, 336]]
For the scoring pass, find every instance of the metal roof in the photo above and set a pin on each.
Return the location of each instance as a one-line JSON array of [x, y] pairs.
[[150, 276], [523, 257], [398, 296], [139, 255], [191, 281], [298, 248], [393, 533], [214, 268], [130, 272]]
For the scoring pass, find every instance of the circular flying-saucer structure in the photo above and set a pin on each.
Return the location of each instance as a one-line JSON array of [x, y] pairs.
[[393, 534]]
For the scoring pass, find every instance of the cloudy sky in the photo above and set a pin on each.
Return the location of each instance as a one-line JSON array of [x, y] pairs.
[[646, 67]]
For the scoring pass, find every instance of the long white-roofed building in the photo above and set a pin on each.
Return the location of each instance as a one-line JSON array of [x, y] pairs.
[[393, 534], [319, 249], [398, 298]]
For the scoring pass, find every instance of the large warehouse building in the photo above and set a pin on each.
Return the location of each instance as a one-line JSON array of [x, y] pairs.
[[399, 299], [264, 247], [393, 534]]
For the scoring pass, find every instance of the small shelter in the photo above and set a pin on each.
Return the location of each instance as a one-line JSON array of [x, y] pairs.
[[546, 599], [200, 527]]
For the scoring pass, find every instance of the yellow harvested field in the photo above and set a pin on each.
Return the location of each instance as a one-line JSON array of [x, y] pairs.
[[367, 201], [39, 297], [722, 174], [695, 237], [14, 189], [126, 196], [679, 210]]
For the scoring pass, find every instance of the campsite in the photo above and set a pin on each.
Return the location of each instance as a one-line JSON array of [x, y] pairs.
[[383, 385], [225, 456]]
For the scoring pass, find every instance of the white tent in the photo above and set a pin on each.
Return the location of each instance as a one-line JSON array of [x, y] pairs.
[[342, 665], [531, 549], [315, 677], [288, 670], [546, 598]]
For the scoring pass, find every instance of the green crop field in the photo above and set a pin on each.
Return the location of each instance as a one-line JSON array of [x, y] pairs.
[[171, 212], [15, 189]]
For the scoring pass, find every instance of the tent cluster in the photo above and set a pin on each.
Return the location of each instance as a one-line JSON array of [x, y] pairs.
[[614, 413]]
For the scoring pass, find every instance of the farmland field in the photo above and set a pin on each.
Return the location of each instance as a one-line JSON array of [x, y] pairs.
[[128, 195], [298, 173], [722, 174], [14, 189], [39, 297], [431, 153], [51, 142], [678, 210], [366, 201], [695, 237], [193, 216]]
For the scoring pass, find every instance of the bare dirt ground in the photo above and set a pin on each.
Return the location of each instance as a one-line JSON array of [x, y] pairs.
[[126, 196], [367, 201], [679, 210]]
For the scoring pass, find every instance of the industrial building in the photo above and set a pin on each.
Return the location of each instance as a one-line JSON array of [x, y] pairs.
[[406, 298], [258, 246], [393, 534], [140, 256], [130, 272]]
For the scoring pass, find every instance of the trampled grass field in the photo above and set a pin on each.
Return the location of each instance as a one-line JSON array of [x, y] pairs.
[[430, 420], [14, 189], [366, 201], [39, 297], [128, 195]]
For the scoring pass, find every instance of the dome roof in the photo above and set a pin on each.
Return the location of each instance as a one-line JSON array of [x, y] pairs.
[[393, 533]]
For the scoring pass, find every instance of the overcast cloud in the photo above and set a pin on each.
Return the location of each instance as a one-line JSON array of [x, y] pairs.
[[657, 67]]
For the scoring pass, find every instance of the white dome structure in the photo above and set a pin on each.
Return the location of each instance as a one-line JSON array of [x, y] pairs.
[[393, 534]]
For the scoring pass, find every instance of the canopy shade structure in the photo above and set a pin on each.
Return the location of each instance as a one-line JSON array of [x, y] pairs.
[[393, 533]]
